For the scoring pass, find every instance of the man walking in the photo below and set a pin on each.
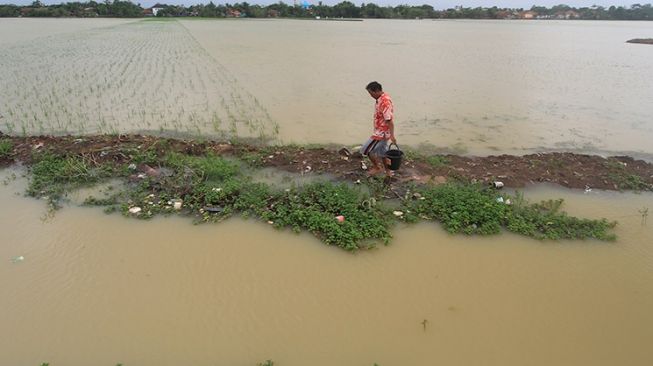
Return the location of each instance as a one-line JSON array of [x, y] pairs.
[[384, 130]]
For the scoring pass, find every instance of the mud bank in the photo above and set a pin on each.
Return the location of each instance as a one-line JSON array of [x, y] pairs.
[[641, 40], [210, 182], [569, 170]]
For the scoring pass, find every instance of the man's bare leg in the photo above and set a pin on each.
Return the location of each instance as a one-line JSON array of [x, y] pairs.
[[377, 165]]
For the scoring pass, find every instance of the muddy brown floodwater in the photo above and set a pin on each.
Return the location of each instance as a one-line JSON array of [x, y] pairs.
[[102, 289]]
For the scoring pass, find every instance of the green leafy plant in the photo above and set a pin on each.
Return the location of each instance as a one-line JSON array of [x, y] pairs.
[[52, 175], [471, 209], [619, 174], [6, 148]]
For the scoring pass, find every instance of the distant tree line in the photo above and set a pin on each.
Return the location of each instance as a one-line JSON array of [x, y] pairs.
[[116, 8], [345, 9]]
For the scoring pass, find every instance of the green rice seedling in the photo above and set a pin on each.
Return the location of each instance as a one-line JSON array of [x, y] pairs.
[[643, 212], [6, 148]]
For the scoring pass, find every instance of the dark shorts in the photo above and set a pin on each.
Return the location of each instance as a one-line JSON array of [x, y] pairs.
[[375, 147]]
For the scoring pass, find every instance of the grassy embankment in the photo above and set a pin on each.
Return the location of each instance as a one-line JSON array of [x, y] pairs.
[[212, 188]]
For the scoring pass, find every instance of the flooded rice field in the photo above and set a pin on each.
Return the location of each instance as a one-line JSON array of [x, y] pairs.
[[477, 87], [141, 76], [84, 287], [470, 86]]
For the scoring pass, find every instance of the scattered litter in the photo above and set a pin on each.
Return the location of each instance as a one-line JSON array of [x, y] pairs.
[[271, 157], [588, 189], [177, 204], [38, 146], [340, 218], [500, 199], [397, 213], [141, 176], [363, 166], [358, 181], [344, 152], [103, 153], [508, 202], [151, 171], [308, 169], [417, 195], [325, 162], [214, 209], [18, 259], [271, 222], [216, 189], [132, 166], [369, 203], [135, 210], [497, 184]]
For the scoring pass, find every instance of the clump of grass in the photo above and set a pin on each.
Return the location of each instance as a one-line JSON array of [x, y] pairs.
[[545, 220], [6, 148], [146, 156], [625, 180], [253, 158], [437, 161], [631, 181], [470, 209], [52, 175]]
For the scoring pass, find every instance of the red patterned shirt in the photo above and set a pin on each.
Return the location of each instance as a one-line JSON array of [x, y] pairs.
[[383, 111]]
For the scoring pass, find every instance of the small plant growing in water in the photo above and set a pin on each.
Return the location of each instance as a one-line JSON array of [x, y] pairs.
[[644, 213], [6, 148]]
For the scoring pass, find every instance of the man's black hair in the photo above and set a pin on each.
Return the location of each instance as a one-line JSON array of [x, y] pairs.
[[374, 86]]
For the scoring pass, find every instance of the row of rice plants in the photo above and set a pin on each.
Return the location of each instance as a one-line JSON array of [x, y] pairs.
[[142, 76]]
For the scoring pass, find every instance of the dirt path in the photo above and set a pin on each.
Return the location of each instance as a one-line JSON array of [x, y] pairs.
[[566, 169]]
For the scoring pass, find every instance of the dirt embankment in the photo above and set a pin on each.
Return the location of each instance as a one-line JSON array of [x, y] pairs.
[[641, 40], [566, 169]]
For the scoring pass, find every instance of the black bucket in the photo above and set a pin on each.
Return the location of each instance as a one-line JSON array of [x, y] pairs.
[[395, 156]]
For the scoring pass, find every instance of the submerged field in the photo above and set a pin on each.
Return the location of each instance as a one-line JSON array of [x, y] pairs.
[[140, 76], [476, 87]]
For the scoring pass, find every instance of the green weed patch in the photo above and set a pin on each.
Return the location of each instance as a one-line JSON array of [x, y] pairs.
[[211, 188], [470, 209], [6, 148], [53, 175]]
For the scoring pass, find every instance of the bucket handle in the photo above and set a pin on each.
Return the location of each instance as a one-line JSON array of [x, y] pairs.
[[393, 143]]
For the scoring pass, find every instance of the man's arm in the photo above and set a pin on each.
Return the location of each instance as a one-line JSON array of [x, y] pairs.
[[391, 128]]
